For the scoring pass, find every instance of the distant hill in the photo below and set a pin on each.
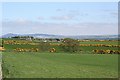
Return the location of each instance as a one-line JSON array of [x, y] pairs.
[[9, 35], [98, 37]]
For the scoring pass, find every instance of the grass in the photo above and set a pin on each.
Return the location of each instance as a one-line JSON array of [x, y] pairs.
[[0, 41], [58, 48], [10, 47], [59, 65], [99, 42]]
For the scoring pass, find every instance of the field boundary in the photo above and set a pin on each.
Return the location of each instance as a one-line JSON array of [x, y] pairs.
[[0, 65]]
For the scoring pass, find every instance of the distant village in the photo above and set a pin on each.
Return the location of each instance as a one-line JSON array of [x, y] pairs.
[[30, 38]]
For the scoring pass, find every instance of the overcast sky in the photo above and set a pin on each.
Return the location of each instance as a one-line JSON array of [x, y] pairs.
[[80, 18]]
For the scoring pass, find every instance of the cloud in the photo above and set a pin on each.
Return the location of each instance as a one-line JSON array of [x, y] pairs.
[[69, 14], [60, 10], [40, 18], [65, 17], [114, 13], [21, 21], [61, 28], [66, 14]]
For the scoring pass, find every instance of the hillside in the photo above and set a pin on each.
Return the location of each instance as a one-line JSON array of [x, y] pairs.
[[98, 37]]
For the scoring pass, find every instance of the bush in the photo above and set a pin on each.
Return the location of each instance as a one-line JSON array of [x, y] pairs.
[[44, 46], [70, 45]]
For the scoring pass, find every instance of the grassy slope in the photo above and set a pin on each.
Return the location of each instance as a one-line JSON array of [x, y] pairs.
[[59, 65]]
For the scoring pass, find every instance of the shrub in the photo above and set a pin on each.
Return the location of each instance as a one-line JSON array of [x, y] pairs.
[[70, 45], [44, 46], [52, 50], [106, 51]]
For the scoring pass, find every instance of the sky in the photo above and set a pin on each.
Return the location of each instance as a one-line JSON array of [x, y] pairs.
[[60, 18]]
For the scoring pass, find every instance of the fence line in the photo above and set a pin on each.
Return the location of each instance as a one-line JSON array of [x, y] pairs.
[[0, 65]]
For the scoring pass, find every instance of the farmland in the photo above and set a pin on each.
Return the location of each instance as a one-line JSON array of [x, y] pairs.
[[60, 65], [27, 62], [84, 45], [64, 39]]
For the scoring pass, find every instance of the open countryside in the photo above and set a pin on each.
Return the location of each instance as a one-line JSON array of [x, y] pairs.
[[59, 40], [28, 58]]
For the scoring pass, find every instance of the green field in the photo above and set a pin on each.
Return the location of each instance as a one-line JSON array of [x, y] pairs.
[[83, 64], [59, 65], [83, 48], [98, 42]]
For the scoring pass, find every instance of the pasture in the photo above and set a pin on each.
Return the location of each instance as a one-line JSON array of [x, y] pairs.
[[58, 64], [29, 44]]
